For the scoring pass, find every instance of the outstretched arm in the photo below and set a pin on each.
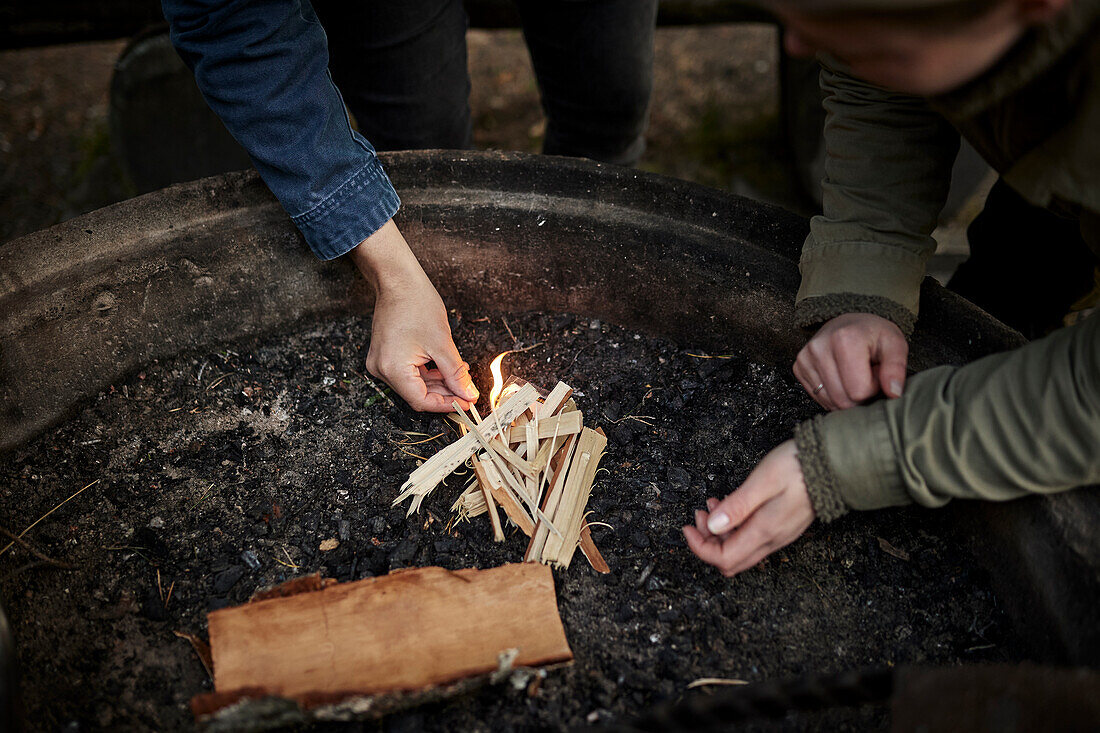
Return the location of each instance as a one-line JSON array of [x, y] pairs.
[[1016, 423], [263, 68]]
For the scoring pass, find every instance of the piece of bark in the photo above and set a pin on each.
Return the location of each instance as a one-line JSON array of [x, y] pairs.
[[403, 631], [490, 504], [294, 586]]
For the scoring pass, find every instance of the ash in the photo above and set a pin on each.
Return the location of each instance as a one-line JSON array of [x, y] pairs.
[[222, 473]]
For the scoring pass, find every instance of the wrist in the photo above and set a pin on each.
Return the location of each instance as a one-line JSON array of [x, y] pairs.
[[386, 261]]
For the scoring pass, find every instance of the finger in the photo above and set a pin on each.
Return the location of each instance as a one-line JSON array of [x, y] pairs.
[[814, 385], [701, 523], [443, 389], [854, 365], [711, 504], [754, 558], [406, 382], [836, 395], [892, 353], [455, 372], [430, 374], [735, 509], [709, 550], [800, 374]]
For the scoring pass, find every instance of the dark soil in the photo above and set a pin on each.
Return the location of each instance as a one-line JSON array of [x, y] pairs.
[[222, 473]]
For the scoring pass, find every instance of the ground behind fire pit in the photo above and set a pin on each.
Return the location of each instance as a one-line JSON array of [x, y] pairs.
[[222, 473]]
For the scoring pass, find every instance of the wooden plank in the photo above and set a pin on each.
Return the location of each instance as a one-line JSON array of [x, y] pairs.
[[490, 504], [531, 482], [403, 631], [565, 424]]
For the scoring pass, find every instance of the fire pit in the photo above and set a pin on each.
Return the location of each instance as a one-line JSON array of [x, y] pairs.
[[226, 456]]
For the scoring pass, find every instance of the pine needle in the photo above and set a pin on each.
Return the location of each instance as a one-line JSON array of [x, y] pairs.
[[35, 522]]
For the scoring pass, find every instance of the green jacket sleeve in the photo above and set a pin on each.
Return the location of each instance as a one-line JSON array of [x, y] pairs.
[[1015, 423], [888, 161]]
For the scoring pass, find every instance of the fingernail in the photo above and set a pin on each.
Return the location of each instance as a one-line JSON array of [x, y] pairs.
[[719, 522], [895, 387], [471, 391]]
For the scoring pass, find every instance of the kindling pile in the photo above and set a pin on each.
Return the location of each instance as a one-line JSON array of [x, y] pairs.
[[531, 457]]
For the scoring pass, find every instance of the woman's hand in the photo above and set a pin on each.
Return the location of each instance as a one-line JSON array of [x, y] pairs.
[[410, 327], [769, 511], [851, 358]]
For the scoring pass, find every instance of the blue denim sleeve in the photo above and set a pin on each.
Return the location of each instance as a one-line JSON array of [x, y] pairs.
[[262, 66]]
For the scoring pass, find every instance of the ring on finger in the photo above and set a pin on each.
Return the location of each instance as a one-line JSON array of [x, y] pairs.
[[818, 388]]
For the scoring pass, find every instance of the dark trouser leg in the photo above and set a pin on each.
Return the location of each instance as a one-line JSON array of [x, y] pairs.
[[401, 67], [594, 62], [1027, 266]]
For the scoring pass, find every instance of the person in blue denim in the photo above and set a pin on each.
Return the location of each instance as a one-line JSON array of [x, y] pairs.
[[264, 68]]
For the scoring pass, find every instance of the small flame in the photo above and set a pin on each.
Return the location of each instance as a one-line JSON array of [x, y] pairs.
[[498, 381]]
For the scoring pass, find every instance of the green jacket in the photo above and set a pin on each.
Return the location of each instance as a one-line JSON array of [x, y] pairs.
[[1010, 424]]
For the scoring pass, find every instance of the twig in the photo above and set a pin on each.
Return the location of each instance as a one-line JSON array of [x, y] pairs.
[[408, 452], [170, 588], [219, 380], [505, 321], [708, 356], [425, 440], [202, 498], [34, 551], [35, 522], [707, 681], [586, 348]]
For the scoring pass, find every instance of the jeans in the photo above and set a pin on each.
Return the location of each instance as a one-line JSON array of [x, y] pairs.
[[401, 67]]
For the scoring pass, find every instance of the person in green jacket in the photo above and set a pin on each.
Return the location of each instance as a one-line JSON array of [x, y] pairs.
[[1020, 79]]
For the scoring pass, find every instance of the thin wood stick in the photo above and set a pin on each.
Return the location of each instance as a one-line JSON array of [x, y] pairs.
[[511, 507], [490, 504], [550, 504], [427, 476], [566, 424], [495, 446], [35, 522]]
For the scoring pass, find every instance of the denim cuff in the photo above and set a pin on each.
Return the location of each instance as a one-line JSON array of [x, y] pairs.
[[353, 212]]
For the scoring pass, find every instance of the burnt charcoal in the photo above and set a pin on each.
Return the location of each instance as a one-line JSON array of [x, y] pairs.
[[402, 556], [679, 477], [225, 580], [246, 495], [250, 559]]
